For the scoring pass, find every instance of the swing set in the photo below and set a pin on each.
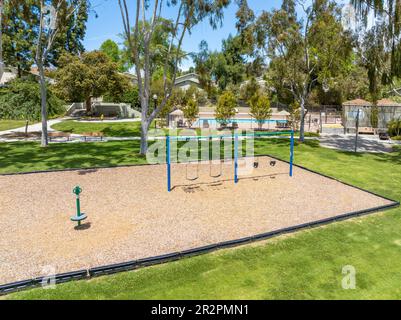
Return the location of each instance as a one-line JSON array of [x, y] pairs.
[[219, 172]]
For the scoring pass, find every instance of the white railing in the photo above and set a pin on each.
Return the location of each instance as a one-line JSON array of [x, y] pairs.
[[73, 107]]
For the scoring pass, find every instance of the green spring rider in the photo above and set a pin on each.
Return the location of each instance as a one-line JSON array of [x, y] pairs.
[[80, 216]]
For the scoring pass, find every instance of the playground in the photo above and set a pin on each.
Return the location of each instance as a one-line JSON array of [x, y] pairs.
[[131, 215]]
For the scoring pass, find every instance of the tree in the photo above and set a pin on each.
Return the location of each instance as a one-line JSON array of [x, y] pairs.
[[20, 28], [303, 53], [204, 67], [1, 39], [18, 33], [387, 15], [111, 49], [260, 108], [191, 111], [250, 89], [225, 109], [295, 115], [374, 116], [91, 75], [54, 17], [189, 13], [21, 100]]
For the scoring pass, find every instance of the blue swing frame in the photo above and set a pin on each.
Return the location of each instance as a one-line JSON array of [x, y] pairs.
[[236, 143]]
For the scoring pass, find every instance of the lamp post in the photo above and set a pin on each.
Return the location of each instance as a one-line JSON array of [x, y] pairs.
[[357, 130], [155, 103]]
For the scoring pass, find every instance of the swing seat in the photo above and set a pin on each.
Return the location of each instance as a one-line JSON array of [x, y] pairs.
[[272, 163], [220, 170], [83, 216], [186, 173], [255, 165]]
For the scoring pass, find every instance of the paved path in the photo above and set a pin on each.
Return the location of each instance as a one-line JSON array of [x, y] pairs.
[[37, 127], [365, 143]]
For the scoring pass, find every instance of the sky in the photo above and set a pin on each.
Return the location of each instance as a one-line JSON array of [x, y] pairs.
[[108, 25]]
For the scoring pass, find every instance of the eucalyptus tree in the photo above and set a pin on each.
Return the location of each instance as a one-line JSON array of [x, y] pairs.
[[1, 39], [139, 34], [54, 17], [380, 46], [303, 52], [20, 26]]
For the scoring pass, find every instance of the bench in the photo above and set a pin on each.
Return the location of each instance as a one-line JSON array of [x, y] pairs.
[[366, 130], [59, 135], [87, 135]]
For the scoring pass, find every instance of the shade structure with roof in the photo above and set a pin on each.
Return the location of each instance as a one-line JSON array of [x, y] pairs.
[[387, 110], [176, 118]]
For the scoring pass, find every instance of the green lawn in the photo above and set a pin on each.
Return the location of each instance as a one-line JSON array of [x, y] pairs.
[[118, 129], [11, 124], [303, 265]]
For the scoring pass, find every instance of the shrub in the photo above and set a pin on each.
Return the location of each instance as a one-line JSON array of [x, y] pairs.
[[225, 109], [260, 108], [20, 100], [191, 111], [394, 127]]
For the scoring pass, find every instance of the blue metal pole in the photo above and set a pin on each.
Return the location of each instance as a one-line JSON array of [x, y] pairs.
[[168, 163], [236, 158], [292, 152]]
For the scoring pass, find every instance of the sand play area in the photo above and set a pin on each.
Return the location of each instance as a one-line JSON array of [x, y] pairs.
[[131, 215]]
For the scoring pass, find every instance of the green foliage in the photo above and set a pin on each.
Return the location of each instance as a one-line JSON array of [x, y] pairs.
[[21, 100], [250, 89], [226, 67], [191, 111], [260, 108], [111, 49], [374, 116], [159, 47], [92, 74], [20, 30], [295, 115], [129, 95], [394, 128], [383, 43], [225, 108]]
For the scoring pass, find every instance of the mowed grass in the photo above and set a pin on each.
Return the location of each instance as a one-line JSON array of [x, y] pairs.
[[11, 124], [117, 129], [305, 265], [133, 129]]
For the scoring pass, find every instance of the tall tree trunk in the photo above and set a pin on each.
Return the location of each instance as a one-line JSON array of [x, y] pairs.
[[88, 104], [1, 39], [302, 121], [43, 96], [144, 136]]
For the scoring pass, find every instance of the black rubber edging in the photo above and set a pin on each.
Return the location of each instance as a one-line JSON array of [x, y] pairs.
[[131, 265], [35, 282]]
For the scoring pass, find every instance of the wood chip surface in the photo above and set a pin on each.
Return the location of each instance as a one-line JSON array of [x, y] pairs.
[[131, 215]]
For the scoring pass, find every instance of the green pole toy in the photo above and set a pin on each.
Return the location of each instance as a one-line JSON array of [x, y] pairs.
[[80, 216]]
